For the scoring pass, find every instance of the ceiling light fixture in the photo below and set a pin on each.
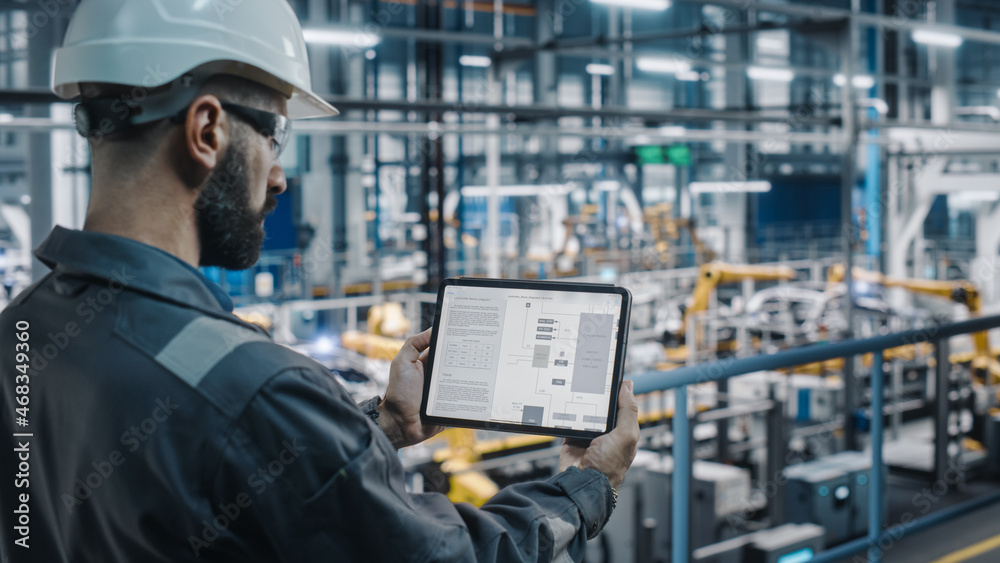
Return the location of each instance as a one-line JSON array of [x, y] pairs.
[[662, 64], [519, 190], [341, 37], [937, 38], [600, 69], [475, 60], [861, 81], [770, 74], [640, 4], [689, 76], [729, 187]]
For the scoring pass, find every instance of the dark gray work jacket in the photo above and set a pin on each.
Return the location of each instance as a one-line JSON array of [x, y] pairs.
[[160, 427]]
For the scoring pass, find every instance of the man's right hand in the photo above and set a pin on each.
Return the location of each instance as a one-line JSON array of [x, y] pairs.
[[611, 453]]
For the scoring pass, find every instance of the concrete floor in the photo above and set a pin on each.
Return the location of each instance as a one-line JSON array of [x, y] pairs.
[[964, 539], [952, 541]]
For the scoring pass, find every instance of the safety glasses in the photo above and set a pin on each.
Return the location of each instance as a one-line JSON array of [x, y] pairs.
[[275, 127], [104, 116]]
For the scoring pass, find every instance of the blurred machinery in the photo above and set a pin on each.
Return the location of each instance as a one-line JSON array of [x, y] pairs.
[[666, 230], [807, 312], [640, 528], [389, 320], [831, 491], [982, 359], [583, 235], [371, 345], [464, 483], [710, 277], [787, 543], [456, 462]]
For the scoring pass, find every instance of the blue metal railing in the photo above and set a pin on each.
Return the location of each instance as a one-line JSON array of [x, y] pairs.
[[680, 378]]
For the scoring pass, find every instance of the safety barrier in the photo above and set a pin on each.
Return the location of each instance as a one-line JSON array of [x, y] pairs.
[[680, 378]]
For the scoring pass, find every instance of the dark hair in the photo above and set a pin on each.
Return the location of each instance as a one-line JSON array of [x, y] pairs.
[[134, 142]]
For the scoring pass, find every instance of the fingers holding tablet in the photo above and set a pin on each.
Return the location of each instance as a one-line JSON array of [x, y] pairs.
[[400, 410], [611, 453]]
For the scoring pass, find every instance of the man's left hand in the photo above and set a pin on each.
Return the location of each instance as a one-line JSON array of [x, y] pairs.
[[399, 412]]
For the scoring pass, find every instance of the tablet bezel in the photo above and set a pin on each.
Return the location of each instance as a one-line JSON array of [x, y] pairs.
[[570, 287]]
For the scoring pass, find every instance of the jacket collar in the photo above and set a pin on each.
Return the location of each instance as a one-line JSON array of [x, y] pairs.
[[133, 264]]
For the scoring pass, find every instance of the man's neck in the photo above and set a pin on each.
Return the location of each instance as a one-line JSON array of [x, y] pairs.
[[169, 226]]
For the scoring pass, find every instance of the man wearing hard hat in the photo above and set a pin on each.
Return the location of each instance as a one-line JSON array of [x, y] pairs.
[[146, 421]]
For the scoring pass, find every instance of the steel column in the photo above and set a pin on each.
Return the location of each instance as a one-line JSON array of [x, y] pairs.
[[847, 170], [877, 485], [942, 370], [777, 446], [681, 479]]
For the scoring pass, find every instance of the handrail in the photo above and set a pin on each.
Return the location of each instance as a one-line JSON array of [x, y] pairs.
[[678, 379], [725, 369]]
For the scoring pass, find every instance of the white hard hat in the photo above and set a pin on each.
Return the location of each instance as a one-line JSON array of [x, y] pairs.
[[151, 43]]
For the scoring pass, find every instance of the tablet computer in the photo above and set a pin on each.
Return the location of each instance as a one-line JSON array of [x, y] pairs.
[[537, 357]]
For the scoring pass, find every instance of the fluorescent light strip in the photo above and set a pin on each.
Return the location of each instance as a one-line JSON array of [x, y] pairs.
[[689, 76], [662, 64], [345, 38], [673, 131], [861, 81], [640, 4], [729, 187], [771, 74], [937, 38], [600, 69], [518, 190], [475, 60]]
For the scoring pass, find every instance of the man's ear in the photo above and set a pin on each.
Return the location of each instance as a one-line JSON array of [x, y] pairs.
[[205, 132]]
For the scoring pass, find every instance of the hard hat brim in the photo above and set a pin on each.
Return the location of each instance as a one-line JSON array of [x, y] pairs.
[[306, 105]]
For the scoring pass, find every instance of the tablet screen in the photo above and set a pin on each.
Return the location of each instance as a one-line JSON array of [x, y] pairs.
[[525, 356]]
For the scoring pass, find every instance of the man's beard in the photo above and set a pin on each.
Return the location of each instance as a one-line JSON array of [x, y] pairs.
[[229, 230]]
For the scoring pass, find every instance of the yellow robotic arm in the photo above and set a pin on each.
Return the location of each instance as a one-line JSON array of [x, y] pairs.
[[958, 291], [713, 274]]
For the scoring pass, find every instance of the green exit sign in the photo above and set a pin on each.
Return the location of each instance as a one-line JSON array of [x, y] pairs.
[[651, 155], [678, 155]]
